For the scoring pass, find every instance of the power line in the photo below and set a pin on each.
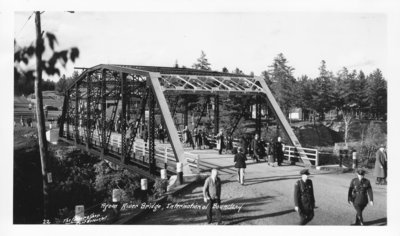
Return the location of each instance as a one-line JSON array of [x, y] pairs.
[[25, 24]]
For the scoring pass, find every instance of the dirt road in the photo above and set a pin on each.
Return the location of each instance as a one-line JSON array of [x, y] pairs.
[[267, 197]]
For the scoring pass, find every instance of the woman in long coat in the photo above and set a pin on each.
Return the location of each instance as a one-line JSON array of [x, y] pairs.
[[380, 171]]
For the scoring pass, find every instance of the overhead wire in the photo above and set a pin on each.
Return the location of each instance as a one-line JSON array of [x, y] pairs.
[[24, 25]]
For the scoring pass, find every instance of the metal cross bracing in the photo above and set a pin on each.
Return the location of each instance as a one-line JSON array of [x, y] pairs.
[[105, 107]]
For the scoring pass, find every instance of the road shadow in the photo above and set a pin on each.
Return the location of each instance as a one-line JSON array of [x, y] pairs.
[[382, 221], [206, 166], [267, 179], [248, 218], [198, 216]]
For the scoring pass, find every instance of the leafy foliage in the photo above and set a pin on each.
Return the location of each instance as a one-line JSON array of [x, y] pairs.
[[160, 187], [108, 179], [74, 177], [23, 59]]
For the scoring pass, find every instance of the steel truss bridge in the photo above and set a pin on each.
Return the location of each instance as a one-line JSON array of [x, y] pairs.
[[87, 118]]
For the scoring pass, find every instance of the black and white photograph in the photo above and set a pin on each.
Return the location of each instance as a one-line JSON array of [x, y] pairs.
[[213, 118]]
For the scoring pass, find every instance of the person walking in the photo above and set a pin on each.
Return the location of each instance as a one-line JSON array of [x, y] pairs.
[[240, 164], [304, 201], [278, 151], [380, 171], [360, 191], [212, 195], [220, 141]]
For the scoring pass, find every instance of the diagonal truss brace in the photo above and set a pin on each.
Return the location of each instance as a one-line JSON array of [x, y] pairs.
[[283, 121]]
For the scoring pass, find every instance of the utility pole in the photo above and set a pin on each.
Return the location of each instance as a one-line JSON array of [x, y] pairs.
[[40, 117]]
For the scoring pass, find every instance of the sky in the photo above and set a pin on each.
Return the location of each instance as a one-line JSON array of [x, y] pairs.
[[249, 41]]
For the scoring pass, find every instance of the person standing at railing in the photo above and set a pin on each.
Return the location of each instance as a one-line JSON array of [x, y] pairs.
[[199, 139], [220, 141], [240, 164], [161, 135], [278, 151], [269, 152], [22, 122], [380, 171], [204, 139], [257, 147], [244, 144], [117, 124], [229, 144], [185, 135]]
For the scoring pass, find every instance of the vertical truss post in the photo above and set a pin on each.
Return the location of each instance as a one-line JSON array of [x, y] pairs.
[[123, 116], [76, 116], [216, 114], [151, 132], [185, 113], [202, 112], [63, 118], [88, 111], [258, 116], [103, 112]]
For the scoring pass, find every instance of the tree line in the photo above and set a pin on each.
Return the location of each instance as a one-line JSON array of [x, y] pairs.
[[346, 92]]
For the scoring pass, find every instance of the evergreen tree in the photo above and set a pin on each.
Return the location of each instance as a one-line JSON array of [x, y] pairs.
[[282, 83], [323, 91], [202, 63], [377, 94]]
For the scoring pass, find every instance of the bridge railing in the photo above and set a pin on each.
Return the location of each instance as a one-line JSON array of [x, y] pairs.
[[164, 154], [292, 154], [193, 161]]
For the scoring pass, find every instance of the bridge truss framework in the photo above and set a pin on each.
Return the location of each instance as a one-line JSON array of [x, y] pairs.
[[85, 121]]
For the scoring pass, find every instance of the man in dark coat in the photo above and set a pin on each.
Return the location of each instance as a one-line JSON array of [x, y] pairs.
[[212, 195], [380, 171], [240, 164], [304, 201], [278, 151], [359, 191]]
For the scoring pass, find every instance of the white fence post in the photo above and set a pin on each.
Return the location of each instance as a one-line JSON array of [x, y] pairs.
[[316, 158], [198, 164]]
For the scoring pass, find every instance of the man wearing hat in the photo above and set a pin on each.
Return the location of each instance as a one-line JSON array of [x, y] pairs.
[[359, 192], [304, 201]]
